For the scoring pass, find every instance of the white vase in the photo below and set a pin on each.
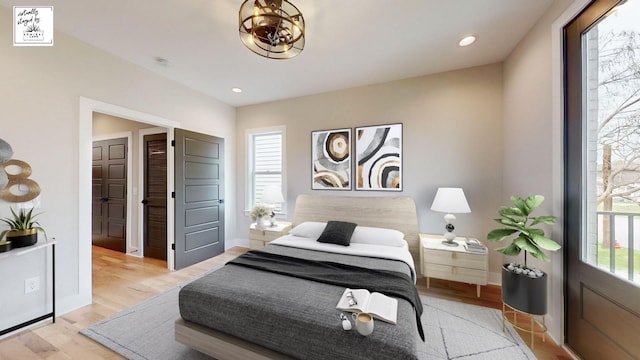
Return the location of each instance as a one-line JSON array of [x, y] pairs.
[[263, 222]]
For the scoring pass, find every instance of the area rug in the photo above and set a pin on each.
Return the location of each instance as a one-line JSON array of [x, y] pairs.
[[453, 331]]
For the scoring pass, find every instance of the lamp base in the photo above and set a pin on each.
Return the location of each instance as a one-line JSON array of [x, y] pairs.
[[449, 235]]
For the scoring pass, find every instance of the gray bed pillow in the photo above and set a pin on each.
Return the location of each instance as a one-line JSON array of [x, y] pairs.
[[337, 232]]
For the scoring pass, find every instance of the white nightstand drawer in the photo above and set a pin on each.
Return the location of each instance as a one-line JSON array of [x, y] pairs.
[[257, 244], [460, 259], [454, 273], [264, 235]]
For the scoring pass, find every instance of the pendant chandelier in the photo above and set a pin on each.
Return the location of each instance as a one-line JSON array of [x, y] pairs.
[[272, 28]]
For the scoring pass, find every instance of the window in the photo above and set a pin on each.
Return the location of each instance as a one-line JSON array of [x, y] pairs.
[[611, 58], [265, 159]]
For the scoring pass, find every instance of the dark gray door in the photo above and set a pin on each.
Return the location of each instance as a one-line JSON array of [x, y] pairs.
[[199, 197], [109, 194], [602, 302], [155, 196]]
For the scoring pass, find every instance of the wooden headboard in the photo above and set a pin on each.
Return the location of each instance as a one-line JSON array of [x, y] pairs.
[[386, 212]]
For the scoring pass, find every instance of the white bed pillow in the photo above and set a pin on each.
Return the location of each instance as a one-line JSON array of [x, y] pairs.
[[309, 229], [362, 234], [378, 236]]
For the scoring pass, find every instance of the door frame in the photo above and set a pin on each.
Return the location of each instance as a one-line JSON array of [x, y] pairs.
[[590, 289], [556, 316], [87, 107], [129, 247], [141, 190]]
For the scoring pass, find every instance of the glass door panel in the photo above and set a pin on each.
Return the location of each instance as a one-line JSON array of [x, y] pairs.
[[611, 111]]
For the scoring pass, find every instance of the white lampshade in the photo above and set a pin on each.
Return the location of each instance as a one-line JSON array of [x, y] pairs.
[[450, 200], [272, 195]]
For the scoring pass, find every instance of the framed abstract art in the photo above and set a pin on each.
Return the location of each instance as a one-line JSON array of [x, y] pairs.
[[378, 151], [331, 159]]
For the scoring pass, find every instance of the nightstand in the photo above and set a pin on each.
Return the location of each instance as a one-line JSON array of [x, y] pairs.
[[452, 263], [260, 238]]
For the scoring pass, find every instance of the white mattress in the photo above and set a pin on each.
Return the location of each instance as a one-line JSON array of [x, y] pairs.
[[357, 249]]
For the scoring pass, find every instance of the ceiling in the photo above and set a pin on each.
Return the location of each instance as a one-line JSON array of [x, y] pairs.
[[348, 42]]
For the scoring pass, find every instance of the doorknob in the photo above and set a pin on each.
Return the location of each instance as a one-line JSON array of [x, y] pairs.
[[145, 201], [104, 199], [221, 201]]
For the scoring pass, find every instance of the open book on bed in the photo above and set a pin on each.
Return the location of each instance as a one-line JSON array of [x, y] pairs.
[[378, 305]]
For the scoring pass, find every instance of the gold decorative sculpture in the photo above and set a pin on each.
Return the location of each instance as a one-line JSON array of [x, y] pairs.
[[9, 181]]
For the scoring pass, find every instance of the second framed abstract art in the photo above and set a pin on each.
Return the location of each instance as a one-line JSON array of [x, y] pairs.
[[378, 152], [331, 159]]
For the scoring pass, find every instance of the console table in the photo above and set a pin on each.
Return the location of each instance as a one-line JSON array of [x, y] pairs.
[[25, 250]]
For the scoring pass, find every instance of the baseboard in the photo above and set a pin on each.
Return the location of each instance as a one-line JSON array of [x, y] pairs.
[[236, 242], [570, 351], [134, 252], [72, 303], [494, 278]]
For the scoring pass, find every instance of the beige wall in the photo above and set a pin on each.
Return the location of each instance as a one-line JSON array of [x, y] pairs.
[[452, 136], [40, 91], [532, 153]]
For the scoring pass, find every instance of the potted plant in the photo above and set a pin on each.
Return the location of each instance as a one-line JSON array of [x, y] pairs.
[[523, 287], [23, 228], [261, 214]]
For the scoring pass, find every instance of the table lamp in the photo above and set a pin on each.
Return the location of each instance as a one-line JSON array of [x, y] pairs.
[[450, 201], [272, 196]]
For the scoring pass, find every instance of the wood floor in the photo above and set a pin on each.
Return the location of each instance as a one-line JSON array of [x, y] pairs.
[[121, 281]]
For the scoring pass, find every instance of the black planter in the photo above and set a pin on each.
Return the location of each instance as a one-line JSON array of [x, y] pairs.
[[5, 246], [524, 293], [22, 238]]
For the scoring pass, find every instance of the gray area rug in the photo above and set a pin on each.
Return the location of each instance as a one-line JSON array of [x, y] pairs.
[[453, 331]]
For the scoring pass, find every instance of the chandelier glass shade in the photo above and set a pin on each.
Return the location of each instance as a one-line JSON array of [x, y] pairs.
[[272, 28]]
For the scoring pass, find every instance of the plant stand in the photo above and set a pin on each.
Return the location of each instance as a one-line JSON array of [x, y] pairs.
[[524, 293], [534, 326]]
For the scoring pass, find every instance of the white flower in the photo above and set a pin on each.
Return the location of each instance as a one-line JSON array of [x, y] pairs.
[[260, 210]]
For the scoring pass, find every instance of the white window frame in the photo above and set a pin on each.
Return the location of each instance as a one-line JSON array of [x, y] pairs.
[[250, 179]]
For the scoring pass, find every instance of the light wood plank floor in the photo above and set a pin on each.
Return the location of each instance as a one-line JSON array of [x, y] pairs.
[[121, 281]]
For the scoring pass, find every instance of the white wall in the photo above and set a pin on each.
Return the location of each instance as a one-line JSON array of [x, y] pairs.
[[533, 140], [452, 136], [40, 90]]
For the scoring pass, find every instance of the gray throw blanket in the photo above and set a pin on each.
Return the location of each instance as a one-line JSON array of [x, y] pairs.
[[387, 282]]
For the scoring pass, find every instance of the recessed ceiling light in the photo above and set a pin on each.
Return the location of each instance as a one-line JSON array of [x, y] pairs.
[[236, 90], [161, 61], [467, 40]]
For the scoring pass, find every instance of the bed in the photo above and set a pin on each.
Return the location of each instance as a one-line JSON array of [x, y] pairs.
[[240, 312]]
